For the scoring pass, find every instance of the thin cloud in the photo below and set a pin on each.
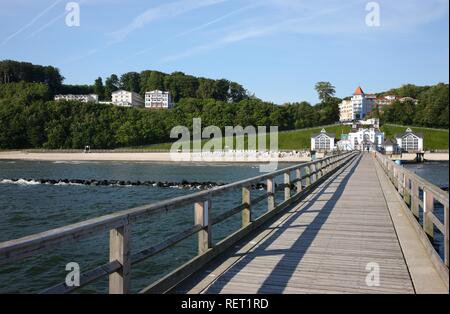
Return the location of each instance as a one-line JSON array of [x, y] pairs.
[[197, 28], [31, 23], [51, 22], [165, 11], [336, 19], [245, 34]]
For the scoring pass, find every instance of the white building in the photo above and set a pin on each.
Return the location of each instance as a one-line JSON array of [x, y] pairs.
[[390, 147], [323, 142], [158, 100], [127, 99], [82, 98], [362, 138], [357, 107], [361, 104], [409, 141], [366, 138]]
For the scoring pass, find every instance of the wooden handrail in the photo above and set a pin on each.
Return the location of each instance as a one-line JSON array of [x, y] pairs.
[[119, 224], [409, 185]]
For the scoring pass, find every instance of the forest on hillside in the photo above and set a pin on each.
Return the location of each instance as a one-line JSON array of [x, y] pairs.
[[29, 118]]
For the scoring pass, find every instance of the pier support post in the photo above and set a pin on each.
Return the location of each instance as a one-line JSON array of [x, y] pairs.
[[271, 194], [428, 208], [287, 186], [298, 176], [246, 212], [119, 250], [202, 217]]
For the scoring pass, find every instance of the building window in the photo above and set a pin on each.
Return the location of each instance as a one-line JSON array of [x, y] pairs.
[[323, 143], [410, 143]]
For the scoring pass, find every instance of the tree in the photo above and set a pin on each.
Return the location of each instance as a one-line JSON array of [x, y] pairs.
[[14, 71], [99, 89], [237, 92], [325, 91], [130, 81], [152, 80], [111, 85]]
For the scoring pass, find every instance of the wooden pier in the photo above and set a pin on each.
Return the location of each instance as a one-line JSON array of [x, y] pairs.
[[349, 223]]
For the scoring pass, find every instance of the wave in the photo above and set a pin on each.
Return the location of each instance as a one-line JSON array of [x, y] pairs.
[[19, 182]]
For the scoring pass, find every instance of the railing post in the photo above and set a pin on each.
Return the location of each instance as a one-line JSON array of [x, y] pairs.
[[308, 176], [287, 186], [271, 194], [408, 187], [119, 250], [446, 235], [246, 212], [415, 198], [394, 177], [202, 217], [428, 208], [327, 165], [313, 173], [298, 176]]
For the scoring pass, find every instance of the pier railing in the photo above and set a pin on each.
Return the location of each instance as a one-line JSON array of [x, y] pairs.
[[421, 196], [118, 268]]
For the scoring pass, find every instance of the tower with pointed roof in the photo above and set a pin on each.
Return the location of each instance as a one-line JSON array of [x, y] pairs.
[[357, 107]]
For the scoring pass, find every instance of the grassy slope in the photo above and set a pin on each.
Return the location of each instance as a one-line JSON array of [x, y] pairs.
[[433, 138], [300, 139], [289, 140]]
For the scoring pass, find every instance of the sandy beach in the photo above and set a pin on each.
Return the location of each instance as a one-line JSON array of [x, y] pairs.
[[142, 157], [175, 157]]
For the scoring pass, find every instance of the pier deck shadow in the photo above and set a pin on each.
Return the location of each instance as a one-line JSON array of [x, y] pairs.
[[327, 243]]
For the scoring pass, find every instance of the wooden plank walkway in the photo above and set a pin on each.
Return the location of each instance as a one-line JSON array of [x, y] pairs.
[[323, 245]]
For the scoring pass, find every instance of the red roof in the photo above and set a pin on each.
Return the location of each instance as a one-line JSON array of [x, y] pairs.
[[359, 91]]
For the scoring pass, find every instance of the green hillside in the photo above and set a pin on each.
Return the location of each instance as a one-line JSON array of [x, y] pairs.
[[301, 139], [433, 138], [288, 140]]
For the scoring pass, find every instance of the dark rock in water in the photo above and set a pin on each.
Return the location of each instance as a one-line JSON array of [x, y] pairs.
[[162, 184]]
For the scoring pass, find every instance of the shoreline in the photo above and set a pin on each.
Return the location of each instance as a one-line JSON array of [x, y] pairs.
[[175, 157], [143, 157]]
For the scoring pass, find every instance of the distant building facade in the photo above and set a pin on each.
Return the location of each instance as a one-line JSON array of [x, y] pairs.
[[409, 141], [366, 139], [323, 142], [158, 100], [390, 147], [356, 108], [362, 104], [362, 137], [82, 98], [125, 98]]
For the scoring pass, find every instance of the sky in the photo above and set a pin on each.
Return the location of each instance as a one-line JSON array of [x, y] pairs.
[[277, 49]]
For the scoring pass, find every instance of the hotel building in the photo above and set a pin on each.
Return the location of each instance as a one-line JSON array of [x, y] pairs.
[[125, 98], [361, 104], [158, 100]]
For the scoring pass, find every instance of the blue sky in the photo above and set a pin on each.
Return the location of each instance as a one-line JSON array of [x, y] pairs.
[[278, 49]]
